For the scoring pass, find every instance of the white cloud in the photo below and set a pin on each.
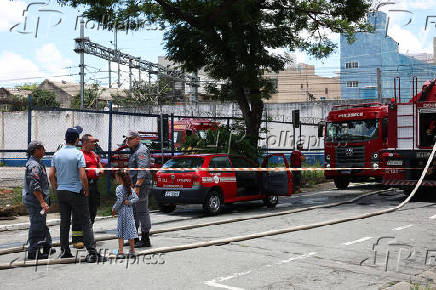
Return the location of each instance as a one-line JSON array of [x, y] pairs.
[[408, 42], [51, 61], [14, 66], [11, 13]]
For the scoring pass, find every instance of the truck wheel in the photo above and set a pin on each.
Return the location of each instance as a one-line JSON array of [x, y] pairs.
[[167, 207], [213, 204], [271, 201], [341, 183]]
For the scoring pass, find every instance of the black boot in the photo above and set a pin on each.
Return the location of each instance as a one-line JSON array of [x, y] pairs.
[[37, 256], [48, 250], [146, 239], [65, 253], [139, 243]]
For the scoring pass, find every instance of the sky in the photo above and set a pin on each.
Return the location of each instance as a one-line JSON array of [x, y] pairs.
[[37, 41]]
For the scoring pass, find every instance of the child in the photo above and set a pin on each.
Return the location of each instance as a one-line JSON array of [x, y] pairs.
[[126, 196]]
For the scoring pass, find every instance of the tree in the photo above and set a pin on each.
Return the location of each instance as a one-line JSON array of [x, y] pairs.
[[231, 39], [91, 98], [145, 94], [44, 98]]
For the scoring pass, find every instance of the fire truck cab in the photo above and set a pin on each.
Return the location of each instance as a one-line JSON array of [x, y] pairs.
[[188, 126], [412, 131], [354, 136]]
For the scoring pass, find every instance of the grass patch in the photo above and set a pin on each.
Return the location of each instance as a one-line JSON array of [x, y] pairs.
[[310, 178]]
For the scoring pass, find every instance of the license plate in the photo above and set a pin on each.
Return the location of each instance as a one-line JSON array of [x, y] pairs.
[[172, 193], [346, 171], [395, 163]]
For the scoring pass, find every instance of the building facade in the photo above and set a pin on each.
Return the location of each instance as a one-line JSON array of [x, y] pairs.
[[301, 84], [375, 50]]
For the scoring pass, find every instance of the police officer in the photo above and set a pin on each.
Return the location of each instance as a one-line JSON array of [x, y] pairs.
[[141, 179], [36, 200]]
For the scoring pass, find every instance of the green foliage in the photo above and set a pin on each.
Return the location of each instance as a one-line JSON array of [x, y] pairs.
[[218, 140], [145, 94], [313, 177], [44, 98], [91, 98], [28, 86], [232, 40]]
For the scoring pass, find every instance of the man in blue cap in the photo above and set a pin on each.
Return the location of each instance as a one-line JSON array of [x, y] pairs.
[[36, 200], [68, 179]]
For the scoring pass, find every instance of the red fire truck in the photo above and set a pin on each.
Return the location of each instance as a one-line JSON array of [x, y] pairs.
[[354, 136], [189, 126], [412, 131]]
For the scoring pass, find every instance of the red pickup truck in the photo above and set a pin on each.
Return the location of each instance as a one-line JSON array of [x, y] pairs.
[[213, 189]]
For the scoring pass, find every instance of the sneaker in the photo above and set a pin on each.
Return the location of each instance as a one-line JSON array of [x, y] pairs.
[[65, 254], [78, 245], [37, 256], [95, 258]]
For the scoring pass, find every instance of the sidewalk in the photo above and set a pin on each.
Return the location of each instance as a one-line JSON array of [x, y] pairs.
[[22, 222]]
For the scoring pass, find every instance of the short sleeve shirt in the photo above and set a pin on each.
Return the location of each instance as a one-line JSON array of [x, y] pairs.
[[67, 162]]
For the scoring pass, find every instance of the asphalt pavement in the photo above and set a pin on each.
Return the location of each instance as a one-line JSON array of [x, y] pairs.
[[372, 253]]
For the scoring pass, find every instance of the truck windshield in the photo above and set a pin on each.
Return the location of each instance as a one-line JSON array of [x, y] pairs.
[[352, 131]]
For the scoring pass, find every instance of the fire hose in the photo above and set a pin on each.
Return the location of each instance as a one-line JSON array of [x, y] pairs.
[[224, 241]]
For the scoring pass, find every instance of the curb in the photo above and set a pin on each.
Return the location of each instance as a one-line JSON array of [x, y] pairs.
[[25, 226]]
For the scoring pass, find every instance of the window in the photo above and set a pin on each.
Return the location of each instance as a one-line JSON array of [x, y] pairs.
[[219, 162], [302, 86], [352, 84], [326, 91], [184, 162], [240, 162], [352, 64]]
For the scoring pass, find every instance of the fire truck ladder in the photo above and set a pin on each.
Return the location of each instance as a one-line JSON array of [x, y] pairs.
[[405, 121]]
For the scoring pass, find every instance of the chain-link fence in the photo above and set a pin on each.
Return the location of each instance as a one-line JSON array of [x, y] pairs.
[[110, 125]]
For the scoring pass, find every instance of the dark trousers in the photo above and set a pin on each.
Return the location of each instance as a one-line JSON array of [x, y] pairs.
[[94, 203], [76, 204], [140, 210], [297, 179], [39, 235]]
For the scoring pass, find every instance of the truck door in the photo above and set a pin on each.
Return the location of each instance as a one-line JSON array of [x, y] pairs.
[[276, 182]]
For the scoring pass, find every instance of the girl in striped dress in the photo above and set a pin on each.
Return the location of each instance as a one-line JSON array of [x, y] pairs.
[[126, 196]]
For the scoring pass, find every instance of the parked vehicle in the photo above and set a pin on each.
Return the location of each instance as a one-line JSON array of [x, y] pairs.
[[354, 137], [412, 131], [189, 126], [120, 157], [213, 189]]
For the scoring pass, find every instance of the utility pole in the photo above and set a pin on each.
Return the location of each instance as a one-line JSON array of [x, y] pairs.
[[130, 77], [118, 56], [379, 92], [139, 71], [110, 81], [82, 65]]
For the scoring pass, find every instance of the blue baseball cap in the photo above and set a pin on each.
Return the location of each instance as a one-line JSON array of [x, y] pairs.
[[72, 134]]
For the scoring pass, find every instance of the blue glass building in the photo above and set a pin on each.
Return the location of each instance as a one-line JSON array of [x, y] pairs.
[[372, 50]]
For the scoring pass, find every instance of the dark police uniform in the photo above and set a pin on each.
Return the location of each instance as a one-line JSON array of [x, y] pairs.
[[36, 180], [140, 158]]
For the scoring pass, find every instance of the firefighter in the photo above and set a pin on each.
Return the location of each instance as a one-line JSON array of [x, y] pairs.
[[430, 133], [296, 159], [36, 200], [141, 180], [92, 161]]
